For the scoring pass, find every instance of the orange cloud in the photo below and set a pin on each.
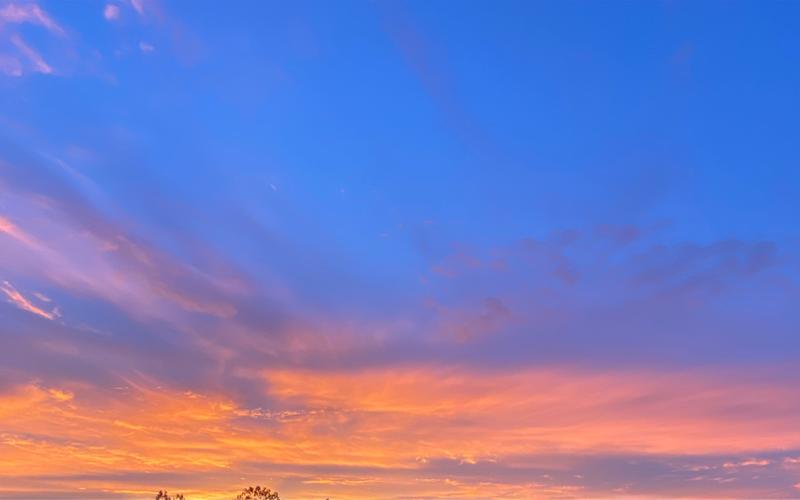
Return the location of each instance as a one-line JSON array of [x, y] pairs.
[[474, 414], [362, 435]]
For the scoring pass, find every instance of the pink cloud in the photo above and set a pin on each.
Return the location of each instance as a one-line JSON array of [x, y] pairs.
[[751, 462], [29, 13], [17, 299], [9, 228], [36, 60], [409, 407], [112, 265], [111, 12], [138, 6]]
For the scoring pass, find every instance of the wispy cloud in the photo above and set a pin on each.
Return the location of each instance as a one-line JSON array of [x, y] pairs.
[[9, 228], [37, 63], [116, 266], [549, 409], [18, 13], [17, 299], [138, 6], [24, 58]]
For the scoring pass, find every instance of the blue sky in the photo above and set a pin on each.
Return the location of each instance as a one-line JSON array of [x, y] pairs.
[[431, 211]]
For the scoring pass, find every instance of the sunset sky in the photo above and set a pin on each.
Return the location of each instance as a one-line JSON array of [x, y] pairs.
[[399, 250]]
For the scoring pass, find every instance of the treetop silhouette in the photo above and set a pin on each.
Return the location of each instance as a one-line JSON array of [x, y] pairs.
[[250, 493]]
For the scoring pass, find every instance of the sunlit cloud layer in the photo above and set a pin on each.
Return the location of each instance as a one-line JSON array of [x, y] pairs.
[[435, 431], [391, 253]]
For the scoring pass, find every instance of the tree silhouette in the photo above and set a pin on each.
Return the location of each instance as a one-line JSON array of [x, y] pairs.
[[257, 493], [163, 495], [251, 493]]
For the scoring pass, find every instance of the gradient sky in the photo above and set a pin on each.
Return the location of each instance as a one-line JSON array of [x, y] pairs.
[[394, 250]]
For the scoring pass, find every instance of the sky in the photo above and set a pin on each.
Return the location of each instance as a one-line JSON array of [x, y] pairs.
[[399, 249]]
